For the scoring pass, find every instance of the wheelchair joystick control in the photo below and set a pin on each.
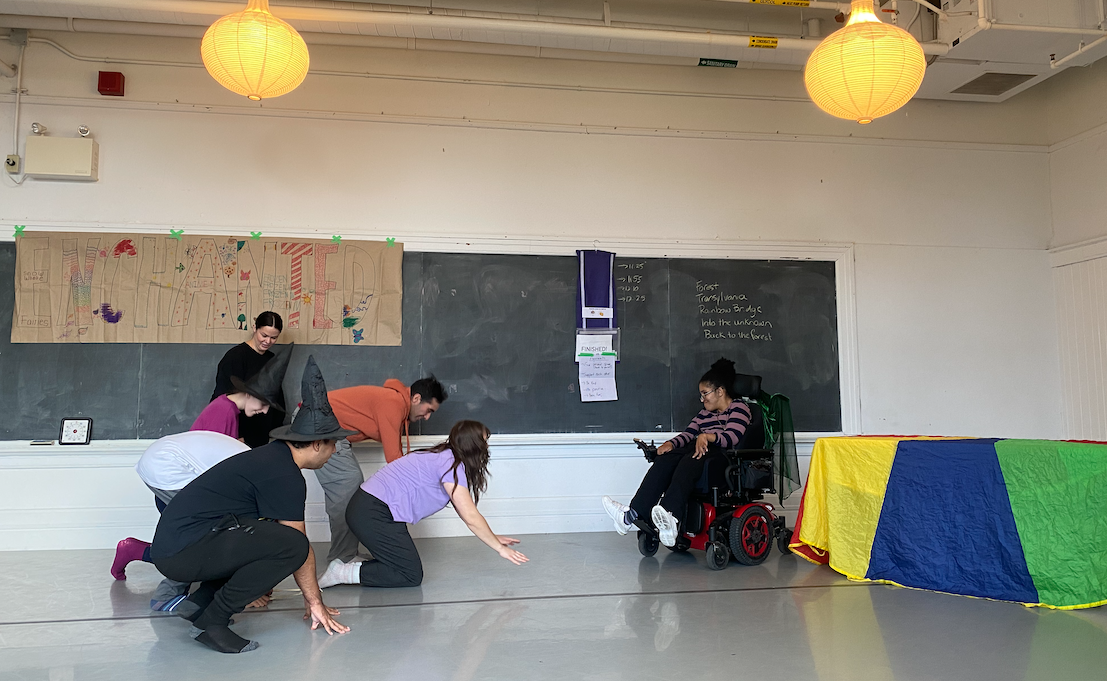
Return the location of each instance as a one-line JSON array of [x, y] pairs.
[[649, 450]]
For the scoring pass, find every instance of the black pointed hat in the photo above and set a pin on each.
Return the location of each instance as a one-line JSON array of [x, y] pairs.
[[266, 383], [316, 419]]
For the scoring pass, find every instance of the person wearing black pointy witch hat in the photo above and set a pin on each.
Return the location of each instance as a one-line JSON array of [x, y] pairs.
[[257, 395], [244, 361], [212, 531], [266, 384]]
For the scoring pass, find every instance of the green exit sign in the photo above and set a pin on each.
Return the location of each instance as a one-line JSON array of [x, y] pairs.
[[720, 63]]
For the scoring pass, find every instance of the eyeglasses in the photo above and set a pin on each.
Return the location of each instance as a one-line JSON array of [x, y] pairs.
[[703, 395]]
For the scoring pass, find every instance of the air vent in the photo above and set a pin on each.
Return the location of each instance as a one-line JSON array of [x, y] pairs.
[[993, 84]]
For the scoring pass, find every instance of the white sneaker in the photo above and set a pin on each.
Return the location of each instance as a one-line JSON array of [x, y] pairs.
[[666, 525], [338, 573], [618, 513]]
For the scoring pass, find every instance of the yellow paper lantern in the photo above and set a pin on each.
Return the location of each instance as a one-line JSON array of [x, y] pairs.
[[254, 53], [865, 70]]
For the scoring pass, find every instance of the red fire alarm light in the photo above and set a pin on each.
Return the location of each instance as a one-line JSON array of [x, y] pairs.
[[110, 84]]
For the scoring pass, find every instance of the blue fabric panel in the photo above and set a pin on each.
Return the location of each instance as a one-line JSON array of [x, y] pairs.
[[946, 523]]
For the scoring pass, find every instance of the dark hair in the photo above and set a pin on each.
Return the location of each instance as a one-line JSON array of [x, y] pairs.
[[269, 318], [468, 440], [722, 375], [429, 389]]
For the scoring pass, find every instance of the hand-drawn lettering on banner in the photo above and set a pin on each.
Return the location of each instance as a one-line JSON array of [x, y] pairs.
[[154, 288]]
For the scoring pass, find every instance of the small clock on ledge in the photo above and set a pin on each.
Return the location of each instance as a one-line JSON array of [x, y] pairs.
[[75, 431]]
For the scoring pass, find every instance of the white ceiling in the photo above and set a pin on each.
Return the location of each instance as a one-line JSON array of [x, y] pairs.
[[1004, 36]]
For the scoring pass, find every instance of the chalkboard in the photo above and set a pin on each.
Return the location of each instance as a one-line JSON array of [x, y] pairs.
[[774, 319], [498, 331]]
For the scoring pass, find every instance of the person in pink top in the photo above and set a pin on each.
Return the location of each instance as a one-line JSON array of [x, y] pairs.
[[251, 397], [408, 490]]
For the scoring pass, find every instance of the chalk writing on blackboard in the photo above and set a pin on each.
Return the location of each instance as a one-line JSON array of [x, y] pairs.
[[730, 315]]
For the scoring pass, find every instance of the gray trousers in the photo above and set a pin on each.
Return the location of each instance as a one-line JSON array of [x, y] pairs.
[[340, 477], [168, 588]]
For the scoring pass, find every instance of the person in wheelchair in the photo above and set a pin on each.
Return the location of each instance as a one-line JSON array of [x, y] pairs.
[[663, 495]]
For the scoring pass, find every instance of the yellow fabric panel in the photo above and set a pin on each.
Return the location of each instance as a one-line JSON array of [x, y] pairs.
[[845, 491]]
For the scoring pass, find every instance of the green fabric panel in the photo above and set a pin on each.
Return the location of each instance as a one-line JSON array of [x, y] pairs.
[[1058, 493]]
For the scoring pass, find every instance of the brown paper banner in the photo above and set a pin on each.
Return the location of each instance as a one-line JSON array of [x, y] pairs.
[[147, 288]]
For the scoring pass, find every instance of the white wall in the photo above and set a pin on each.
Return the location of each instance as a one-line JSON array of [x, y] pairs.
[[957, 341], [1078, 180], [954, 318], [1076, 102], [1081, 291], [297, 174]]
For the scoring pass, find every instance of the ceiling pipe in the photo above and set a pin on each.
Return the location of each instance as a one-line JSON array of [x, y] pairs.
[[842, 7], [527, 32], [332, 39], [101, 26], [1058, 63]]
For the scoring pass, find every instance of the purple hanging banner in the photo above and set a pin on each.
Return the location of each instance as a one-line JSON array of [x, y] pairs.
[[596, 290]]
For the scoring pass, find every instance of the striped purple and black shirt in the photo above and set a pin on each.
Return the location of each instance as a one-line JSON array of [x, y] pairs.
[[728, 426]]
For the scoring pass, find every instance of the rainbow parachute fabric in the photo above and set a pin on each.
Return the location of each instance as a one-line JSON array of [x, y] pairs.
[[1010, 520]]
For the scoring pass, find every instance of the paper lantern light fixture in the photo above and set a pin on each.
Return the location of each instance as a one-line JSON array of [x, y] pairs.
[[865, 70], [254, 53]]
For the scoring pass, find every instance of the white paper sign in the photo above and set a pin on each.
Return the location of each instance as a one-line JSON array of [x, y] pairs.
[[597, 312], [597, 379], [593, 344]]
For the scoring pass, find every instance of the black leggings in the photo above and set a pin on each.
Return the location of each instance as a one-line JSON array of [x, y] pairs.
[[236, 566], [671, 479], [395, 559]]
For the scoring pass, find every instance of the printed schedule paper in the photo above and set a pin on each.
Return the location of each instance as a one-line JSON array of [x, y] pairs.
[[596, 375]]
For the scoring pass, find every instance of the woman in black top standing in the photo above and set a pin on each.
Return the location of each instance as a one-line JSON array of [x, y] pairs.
[[244, 360]]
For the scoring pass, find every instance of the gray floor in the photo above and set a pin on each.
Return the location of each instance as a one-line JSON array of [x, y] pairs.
[[587, 606]]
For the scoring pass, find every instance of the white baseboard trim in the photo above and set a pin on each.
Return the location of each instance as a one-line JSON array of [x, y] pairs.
[[55, 497]]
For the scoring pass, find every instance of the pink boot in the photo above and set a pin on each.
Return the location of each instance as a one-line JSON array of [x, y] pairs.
[[125, 551]]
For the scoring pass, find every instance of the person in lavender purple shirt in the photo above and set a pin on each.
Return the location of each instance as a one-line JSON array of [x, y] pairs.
[[408, 490], [663, 494]]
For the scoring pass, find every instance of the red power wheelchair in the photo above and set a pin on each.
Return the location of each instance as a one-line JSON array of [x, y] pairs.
[[726, 516], [730, 521]]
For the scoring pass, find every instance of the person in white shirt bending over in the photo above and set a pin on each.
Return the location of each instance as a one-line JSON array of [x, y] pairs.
[[166, 467]]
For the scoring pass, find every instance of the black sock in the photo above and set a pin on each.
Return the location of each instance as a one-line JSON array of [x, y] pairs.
[[221, 639]]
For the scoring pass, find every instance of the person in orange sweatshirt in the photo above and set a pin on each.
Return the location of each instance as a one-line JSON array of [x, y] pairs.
[[381, 413]]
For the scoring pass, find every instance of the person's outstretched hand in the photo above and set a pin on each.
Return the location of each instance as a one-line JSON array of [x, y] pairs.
[[321, 615], [511, 554], [507, 541]]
